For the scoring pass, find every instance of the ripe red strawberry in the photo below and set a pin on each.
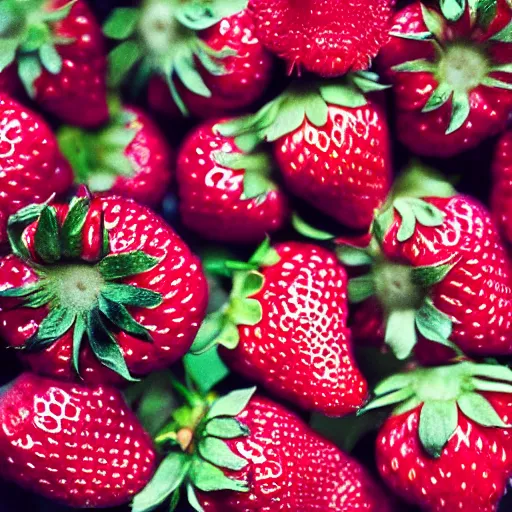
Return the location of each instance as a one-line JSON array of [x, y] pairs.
[[32, 168], [326, 37], [447, 445], [225, 193], [57, 49], [129, 157], [331, 144], [501, 199], [451, 78], [261, 458], [106, 269], [199, 56], [285, 328], [438, 269], [79, 446]]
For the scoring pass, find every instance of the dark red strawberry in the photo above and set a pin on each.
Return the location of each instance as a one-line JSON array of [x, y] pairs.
[[439, 272], [327, 37], [32, 168], [199, 56], [285, 328], [105, 270], [80, 446], [246, 454], [129, 157], [56, 47], [447, 445], [451, 78], [501, 200], [331, 144], [225, 193]]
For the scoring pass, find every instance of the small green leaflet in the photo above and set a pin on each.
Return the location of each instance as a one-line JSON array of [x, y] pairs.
[[477, 408], [122, 23], [207, 477], [218, 453], [438, 422], [231, 404]]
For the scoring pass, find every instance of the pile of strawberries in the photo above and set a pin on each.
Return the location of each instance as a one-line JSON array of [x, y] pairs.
[[296, 146]]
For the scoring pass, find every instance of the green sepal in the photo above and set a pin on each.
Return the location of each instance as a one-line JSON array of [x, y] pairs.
[[29, 70], [17, 224], [121, 23], [417, 36], [226, 428], [119, 266], [192, 499], [434, 324], [434, 21], [265, 255], [486, 12], [129, 295], [393, 383], [232, 404], [412, 211], [57, 323], [353, 256], [439, 97], [50, 59], [217, 452], [428, 276], [477, 408], [245, 311], [200, 15], [415, 66], [185, 69], [361, 288], [308, 231], [206, 369], [121, 60], [71, 231], [504, 35], [168, 477], [38, 299], [207, 478], [401, 332], [438, 422], [47, 236], [453, 9], [58, 14], [382, 223], [209, 332], [393, 398], [461, 109], [78, 337], [175, 500], [20, 292]]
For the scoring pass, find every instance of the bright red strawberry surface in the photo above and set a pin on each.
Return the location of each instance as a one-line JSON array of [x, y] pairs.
[[452, 95], [326, 37], [501, 199], [225, 203], [79, 446], [157, 314], [32, 167]]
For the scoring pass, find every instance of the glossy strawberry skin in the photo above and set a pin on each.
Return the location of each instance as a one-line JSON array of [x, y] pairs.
[[471, 473], [151, 159], [475, 294], [424, 132], [32, 167], [293, 468], [210, 194], [342, 168], [247, 73], [326, 37], [301, 349], [173, 324], [79, 446]]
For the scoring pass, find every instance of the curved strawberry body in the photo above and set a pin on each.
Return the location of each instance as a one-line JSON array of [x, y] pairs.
[[166, 296], [448, 101], [32, 167], [329, 38], [221, 202], [501, 199], [79, 446], [342, 168]]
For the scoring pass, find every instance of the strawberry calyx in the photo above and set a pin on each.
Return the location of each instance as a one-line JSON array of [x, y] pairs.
[[300, 102], [221, 327], [460, 66], [162, 37], [85, 296], [27, 37], [196, 452], [442, 393]]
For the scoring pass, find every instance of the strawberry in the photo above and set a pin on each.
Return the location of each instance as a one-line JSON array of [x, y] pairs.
[[331, 144], [245, 453], [438, 269], [501, 199], [79, 446], [56, 48], [225, 193], [451, 78], [200, 56], [326, 37], [285, 328], [31, 165], [108, 270], [447, 445], [129, 157]]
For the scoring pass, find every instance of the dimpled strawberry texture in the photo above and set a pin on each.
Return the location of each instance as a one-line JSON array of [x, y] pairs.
[[293, 469], [327, 37], [301, 349], [172, 325], [501, 198], [80, 446], [471, 474], [211, 200], [32, 167]]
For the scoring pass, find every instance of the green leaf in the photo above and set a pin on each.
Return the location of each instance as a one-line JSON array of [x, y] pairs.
[[226, 428], [50, 58], [207, 477], [429, 276], [453, 9], [439, 97], [504, 35], [206, 370], [361, 288], [353, 256], [432, 323], [434, 21], [308, 231], [217, 452], [53, 327], [121, 60], [78, 336], [129, 295], [477, 408], [460, 111], [192, 499], [438, 422], [47, 238], [290, 117], [105, 347], [8, 49], [126, 264], [415, 66], [29, 70], [120, 316], [316, 110], [121, 23], [185, 68], [209, 331], [342, 95], [71, 231], [231, 404], [168, 477], [391, 399], [245, 311], [401, 332]]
